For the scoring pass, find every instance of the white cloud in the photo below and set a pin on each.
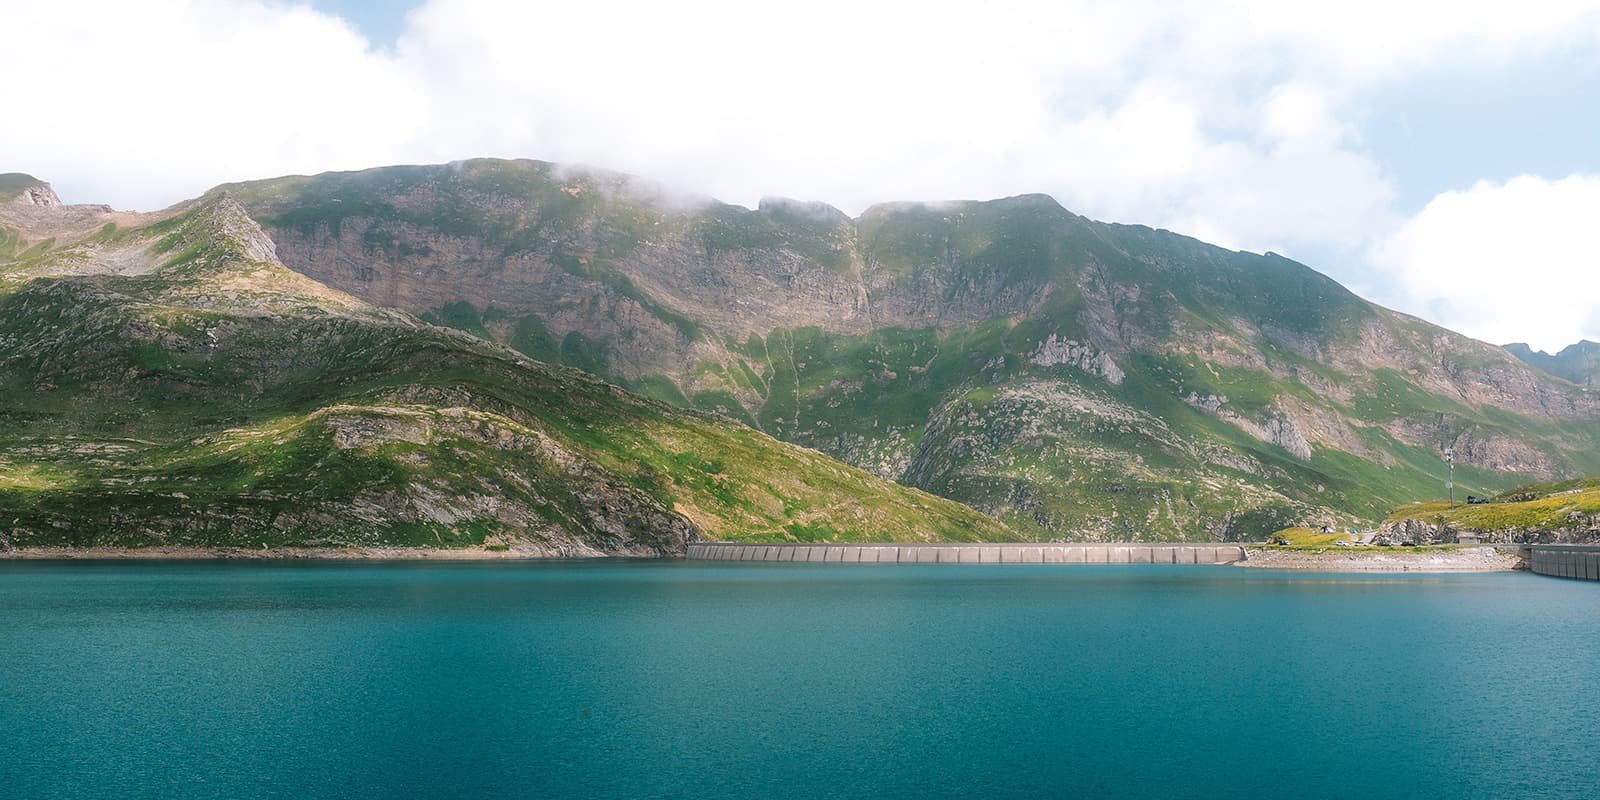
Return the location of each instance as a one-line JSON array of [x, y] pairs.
[[142, 104], [1296, 113], [1234, 120], [1514, 261]]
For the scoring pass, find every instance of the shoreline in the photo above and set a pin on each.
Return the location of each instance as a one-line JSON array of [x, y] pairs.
[[297, 554], [1469, 559]]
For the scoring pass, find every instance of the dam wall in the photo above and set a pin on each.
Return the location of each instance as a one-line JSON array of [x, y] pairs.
[[1580, 561], [1000, 553]]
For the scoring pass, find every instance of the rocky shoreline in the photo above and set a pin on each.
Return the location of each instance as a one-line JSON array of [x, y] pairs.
[[1467, 559]]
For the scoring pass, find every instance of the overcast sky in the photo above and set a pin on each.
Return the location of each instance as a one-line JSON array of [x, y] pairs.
[[1442, 158]]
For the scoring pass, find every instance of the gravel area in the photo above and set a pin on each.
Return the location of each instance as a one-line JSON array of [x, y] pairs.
[[1467, 559]]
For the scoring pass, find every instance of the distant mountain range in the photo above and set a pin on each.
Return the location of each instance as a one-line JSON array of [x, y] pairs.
[[1073, 378], [398, 356], [1579, 363]]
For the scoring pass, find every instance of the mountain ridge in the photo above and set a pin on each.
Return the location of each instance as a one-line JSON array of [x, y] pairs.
[[1578, 362]]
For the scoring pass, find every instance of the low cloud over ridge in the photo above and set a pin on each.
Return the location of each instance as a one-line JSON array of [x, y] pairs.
[[1237, 122]]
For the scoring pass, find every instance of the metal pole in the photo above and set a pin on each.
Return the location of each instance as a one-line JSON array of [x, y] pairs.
[[1450, 457]]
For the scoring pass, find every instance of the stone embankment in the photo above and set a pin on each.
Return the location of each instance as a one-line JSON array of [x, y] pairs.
[[1018, 553]]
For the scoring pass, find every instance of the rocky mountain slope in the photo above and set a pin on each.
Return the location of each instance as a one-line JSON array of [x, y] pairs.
[[1074, 378], [1579, 363], [165, 380]]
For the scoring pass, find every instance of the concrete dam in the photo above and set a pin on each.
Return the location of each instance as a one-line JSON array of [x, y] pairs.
[[1580, 561], [963, 553]]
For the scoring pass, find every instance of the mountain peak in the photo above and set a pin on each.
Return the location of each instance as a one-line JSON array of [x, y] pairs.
[[809, 209], [229, 219]]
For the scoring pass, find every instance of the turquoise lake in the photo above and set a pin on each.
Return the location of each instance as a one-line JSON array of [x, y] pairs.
[[636, 679]]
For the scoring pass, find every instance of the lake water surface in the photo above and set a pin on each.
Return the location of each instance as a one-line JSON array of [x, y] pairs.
[[713, 680]]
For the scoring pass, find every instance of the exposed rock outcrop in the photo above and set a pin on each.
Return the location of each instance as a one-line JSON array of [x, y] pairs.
[[1055, 351], [41, 196], [1275, 427]]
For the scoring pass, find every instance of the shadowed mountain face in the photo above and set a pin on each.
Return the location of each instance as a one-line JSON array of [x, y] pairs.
[[165, 380], [1579, 363], [1075, 379]]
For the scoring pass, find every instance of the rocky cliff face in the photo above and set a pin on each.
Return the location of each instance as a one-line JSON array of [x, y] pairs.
[[908, 339]]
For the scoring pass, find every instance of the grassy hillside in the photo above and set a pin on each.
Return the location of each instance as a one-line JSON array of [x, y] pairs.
[[173, 384], [1558, 511]]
